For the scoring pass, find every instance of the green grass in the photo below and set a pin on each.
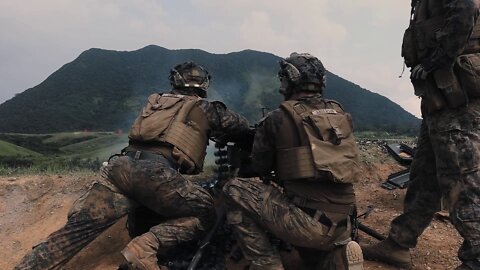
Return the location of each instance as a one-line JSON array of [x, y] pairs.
[[73, 151], [59, 152], [9, 149]]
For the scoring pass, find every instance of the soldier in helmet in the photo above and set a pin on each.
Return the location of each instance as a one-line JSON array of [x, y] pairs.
[[169, 137], [442, 46], [309, 145]]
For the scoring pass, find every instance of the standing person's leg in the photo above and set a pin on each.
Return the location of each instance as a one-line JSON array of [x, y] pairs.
[[423, 197], [422, 200], [456, 138]]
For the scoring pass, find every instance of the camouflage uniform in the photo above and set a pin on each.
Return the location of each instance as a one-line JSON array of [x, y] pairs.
[[150, 179], [447, 161], [254, 207]]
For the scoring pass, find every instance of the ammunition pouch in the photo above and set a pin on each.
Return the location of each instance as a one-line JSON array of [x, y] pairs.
[[447, 82], [440, 90], [420, 38], [467, 69], [409, 52], [430, 94]]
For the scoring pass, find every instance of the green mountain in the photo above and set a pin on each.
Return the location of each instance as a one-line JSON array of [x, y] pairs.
[[103, 90]]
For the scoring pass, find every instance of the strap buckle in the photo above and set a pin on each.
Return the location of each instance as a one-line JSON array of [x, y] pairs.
[[137, 155]]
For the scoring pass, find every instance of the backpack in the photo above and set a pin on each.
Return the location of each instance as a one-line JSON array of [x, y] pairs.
[[328, 145]]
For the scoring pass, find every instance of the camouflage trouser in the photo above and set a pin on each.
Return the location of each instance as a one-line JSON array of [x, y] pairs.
[[91, 214], [446, 164], [188, 208], [254, 207], [152, 183]]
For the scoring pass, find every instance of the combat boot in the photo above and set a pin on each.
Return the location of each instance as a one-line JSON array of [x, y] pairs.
[[346, 257], [388, 251], [469, 265], [141, 252], [352, 256]]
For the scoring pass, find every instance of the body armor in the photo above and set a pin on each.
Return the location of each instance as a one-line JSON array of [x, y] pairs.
[[173, 120], [446, 86], [425, 32]]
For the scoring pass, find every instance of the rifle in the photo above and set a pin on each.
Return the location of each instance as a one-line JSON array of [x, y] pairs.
[[357, 225]]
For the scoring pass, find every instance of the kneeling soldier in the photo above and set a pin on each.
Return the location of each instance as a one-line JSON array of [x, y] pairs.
[[309, 145], [168, 138]]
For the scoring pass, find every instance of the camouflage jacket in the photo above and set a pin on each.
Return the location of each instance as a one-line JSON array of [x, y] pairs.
[[460, 17]]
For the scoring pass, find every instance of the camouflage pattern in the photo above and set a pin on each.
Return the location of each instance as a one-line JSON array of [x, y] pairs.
[[154, 183], [447, 161], [446, 164], [95, 211], [254, 207], [304, 72], [460, 16], [188, 208]]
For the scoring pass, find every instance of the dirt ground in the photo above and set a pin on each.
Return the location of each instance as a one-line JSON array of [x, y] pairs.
[[33, 206]]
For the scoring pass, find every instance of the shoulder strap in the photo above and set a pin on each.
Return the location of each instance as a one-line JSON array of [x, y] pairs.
[[187, 108]]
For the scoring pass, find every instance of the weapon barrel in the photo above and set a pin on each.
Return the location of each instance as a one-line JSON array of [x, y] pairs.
[[371, 232]]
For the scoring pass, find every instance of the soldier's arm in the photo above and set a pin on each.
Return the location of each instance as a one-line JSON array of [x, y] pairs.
[[263, 153], [460, 20], [223, 121]]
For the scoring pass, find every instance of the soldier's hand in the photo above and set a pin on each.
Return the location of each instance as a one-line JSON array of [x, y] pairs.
[[419, 73]]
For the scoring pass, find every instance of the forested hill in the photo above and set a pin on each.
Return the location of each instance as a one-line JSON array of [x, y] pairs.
[[103, 90]]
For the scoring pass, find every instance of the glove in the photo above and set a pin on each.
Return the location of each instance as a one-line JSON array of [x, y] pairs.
[[419, 73]]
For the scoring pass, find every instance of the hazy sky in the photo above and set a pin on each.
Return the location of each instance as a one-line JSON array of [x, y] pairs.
[[359, 40]]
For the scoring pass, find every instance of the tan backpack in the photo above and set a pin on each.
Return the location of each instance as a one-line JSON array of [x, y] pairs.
[[328, 145], [163, 119]]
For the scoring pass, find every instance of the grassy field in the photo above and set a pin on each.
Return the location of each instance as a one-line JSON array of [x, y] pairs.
[[72, 151], [57, 152], [8, 149]]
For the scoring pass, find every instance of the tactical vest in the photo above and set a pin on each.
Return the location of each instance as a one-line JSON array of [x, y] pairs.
[[321, 146], [424, 32], [174, 120], [446, 87]]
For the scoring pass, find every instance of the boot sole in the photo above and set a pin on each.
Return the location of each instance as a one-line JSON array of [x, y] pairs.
[[354, 256]]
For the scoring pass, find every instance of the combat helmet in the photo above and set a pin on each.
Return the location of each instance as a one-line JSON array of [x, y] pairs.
[[301, 72], [190, 75]]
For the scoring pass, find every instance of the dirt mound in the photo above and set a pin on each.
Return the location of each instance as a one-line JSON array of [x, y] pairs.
[[32, 207]]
